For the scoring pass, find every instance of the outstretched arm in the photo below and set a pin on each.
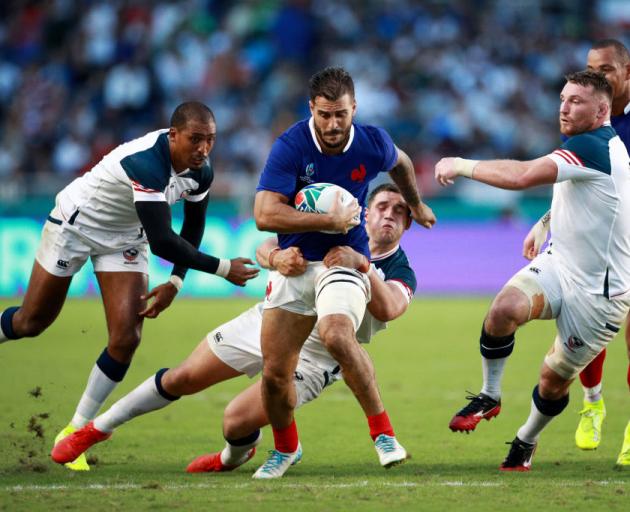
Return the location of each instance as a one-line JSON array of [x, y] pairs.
[[507, 174], [403, 174]]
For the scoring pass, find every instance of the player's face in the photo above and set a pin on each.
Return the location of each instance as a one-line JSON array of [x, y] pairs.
[[606, 61], [191, 145], [387, 218], [333, 120], [581, 109]]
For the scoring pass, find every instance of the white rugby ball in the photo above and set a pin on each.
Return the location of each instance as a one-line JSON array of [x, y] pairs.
[[319, 198]]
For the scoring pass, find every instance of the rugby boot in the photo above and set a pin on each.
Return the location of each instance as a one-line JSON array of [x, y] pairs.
[[390, 451], [480, 407], [211, 463], [519, 457], [623, 461], [589, 431], [277, 464], [74, 445], [79, 463]]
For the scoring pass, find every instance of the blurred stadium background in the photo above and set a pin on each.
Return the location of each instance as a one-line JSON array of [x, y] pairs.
[[475, 78]]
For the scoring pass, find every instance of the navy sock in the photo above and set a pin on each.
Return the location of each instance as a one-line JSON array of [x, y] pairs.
[[549, 407], [6, 323], [495, 347], [110, 367], [249, 439], [161, 390]]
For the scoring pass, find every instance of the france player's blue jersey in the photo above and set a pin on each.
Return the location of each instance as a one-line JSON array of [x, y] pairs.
[[621, 124], [296, 161]]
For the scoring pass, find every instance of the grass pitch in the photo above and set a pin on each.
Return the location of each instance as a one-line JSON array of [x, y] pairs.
[[425, 361]]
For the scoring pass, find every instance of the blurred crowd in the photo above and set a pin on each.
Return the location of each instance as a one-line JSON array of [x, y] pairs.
[[475, 78]]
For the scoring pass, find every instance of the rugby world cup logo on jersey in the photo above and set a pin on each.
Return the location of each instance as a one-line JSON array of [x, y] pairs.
[[574, 343], [309, 172]]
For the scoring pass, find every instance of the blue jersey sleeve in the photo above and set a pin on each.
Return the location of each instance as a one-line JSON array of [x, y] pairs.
[[281, 170], [390, 153]]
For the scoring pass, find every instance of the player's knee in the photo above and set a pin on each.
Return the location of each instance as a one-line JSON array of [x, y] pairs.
[[29, 326], [180, 381], [276, 380], [505, 313]]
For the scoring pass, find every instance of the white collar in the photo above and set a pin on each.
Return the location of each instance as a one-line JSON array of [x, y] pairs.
[[311, 127], [385, 255], [626, 108]]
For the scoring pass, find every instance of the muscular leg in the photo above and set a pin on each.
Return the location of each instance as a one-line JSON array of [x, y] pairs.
[[549, 399], [121, 292], [201, 369], [337, 333], [282, 336], [510, 309], [42, 303]]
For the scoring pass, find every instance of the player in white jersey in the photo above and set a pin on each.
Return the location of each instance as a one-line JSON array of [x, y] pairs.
[[110, 215], [583, 281], [233, 348], [612, 58]]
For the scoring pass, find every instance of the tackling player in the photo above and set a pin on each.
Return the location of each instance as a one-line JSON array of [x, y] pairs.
[[111, 214], [583, 281], [611, 58], [233, 349]]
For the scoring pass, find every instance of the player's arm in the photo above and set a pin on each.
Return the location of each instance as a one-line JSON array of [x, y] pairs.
[[537, 236], [272, 212], [404, 175], [389, 299], [289, 261], [506, 174], [155, 217]]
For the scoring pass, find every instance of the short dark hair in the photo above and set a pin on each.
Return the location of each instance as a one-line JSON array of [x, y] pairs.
[[620, 49], [189, 111], [331, 83], [595, 79], [385, 187]]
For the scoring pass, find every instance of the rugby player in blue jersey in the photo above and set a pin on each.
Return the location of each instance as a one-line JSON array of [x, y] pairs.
[[111, 215], [329, 148], [233, 348], [610, 57]]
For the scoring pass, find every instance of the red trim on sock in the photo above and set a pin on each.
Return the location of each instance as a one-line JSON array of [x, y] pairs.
[[380, 424], [628, 377], [286, 439], [591, 376]]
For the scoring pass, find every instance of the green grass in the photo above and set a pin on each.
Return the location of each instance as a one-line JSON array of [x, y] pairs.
[[425, 362]]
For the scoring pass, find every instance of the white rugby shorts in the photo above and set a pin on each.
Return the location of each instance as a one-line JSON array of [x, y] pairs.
[[320, 291], [237, 344], [66, 245], [585, 322]]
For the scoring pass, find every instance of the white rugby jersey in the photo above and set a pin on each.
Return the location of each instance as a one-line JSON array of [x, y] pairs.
[[139, 170], [590, 211]]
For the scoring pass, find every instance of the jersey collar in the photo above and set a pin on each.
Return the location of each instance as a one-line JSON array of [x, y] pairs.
[[626, 108], [385, 255], [311, 127]]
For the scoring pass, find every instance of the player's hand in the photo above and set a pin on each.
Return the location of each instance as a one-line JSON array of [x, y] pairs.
[[240, 273], [344, 217], [534, 240], [445, 172], [162, 296], [289, 262], [343, 256], [423, 215]]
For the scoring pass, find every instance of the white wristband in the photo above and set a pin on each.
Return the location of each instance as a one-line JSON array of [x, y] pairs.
[[176, 281], [465, 167], [224, 267]]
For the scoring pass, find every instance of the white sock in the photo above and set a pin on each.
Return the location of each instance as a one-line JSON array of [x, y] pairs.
[[492, 374], [145, 398], [99, 387], [233, 455], [593, 394], [534, 425]]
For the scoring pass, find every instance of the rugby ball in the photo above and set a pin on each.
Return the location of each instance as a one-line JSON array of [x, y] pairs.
[[319, 197]]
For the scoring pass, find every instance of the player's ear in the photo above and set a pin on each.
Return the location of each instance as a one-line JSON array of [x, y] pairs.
[[408, 222], [311, 107], [172, 132], [627, 66]]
